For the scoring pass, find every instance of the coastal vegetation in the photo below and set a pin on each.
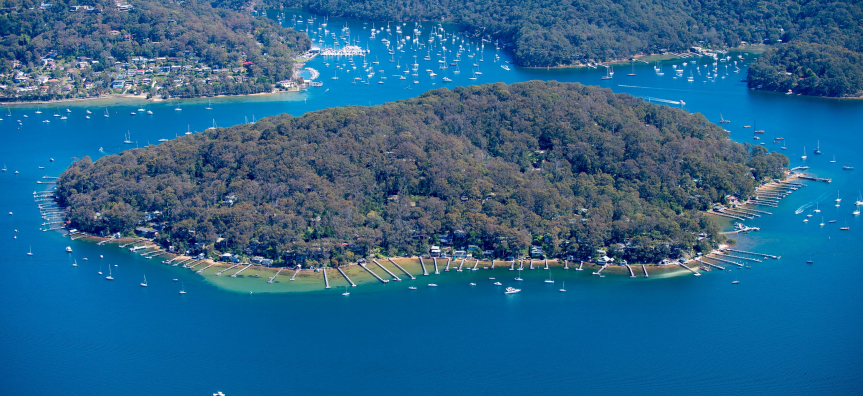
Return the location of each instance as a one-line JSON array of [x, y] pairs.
[[77, 49], [809, 69], [494, 169], [560, 33]]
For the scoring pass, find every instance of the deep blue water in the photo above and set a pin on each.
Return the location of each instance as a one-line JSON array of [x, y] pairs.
[[788, 327]]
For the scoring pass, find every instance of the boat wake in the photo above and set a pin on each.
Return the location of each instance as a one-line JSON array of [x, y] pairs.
[[811, 203]]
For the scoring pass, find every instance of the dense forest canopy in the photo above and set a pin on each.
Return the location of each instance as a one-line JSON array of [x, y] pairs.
[[563, 32], [110, 33], [561, 165]]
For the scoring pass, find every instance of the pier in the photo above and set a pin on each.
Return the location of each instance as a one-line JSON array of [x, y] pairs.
[[460, 265], [743, 258], [196, 264], [546, 263], [296, 272], [600, 269], [565, 265], [754, 253], [531, 263], [189, 264], [724, 261], [234, 275], [631, 274], [512, 266], [403, 270], [475, 265], [396, 278], [814, 178], [644, 268], [492, 263], [326, 280], [447, 264], [343, 274], [273, 278], [205, 268], [372, 272], [423, 264], [436, 271], [521, 265], [581, 264], [712, 265], [694, 272], [227, 269]]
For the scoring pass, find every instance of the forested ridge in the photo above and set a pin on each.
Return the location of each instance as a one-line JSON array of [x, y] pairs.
[[80, 41], [562, 32], [565, 166]]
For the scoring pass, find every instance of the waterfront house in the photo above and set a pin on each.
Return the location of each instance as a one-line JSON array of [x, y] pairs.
[[146, 232]]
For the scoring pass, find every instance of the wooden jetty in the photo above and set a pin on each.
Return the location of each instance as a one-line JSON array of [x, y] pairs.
[[273, 278], [581, 264], [343, 274], [196, 264], [600, 269], [234, 275], [475, 265], [531, 263], [694, 272], [814, 178], [743, 258], [189, 264], [460, 265], [448, 261], [644, 268], [423, 264], [512, 266], [299, 267], [436, 271], [565, 265], [205, 268], [365, 267], [326, 280], [724, 261], [227, 269], [396, 278], [546, 263], [520, 265], [754, 253], [631, 273], [492, 263], [403, 270], [712, 265]]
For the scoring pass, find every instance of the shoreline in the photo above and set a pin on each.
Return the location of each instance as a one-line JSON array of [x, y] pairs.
[[139, 98], [254, 278]]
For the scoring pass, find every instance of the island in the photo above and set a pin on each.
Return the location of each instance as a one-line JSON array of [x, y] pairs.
[[66, 50], [565, 33], [539, 169]]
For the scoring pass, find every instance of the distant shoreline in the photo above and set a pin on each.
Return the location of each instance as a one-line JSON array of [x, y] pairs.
[[136, 98]]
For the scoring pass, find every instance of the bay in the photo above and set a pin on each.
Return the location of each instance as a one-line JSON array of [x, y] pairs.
[[788, 327]]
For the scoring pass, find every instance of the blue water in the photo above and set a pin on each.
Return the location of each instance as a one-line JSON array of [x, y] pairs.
[[788, 327]]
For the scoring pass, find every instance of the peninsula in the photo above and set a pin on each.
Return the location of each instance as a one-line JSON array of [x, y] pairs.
[[556, 169]]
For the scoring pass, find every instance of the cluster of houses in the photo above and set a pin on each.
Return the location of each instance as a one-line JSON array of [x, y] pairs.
[[85, 77]]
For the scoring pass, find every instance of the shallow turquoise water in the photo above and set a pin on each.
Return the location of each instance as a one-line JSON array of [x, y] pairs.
[[788, 327]]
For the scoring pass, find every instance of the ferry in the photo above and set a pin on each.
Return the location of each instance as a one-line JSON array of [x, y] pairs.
[[511, 290]]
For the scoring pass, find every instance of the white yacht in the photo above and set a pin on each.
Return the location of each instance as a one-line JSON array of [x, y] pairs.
[[432, 285], [563, 287], [144, 283], [68, 249], [346, 293], [110, 276], [511, 290], [183, 289]]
